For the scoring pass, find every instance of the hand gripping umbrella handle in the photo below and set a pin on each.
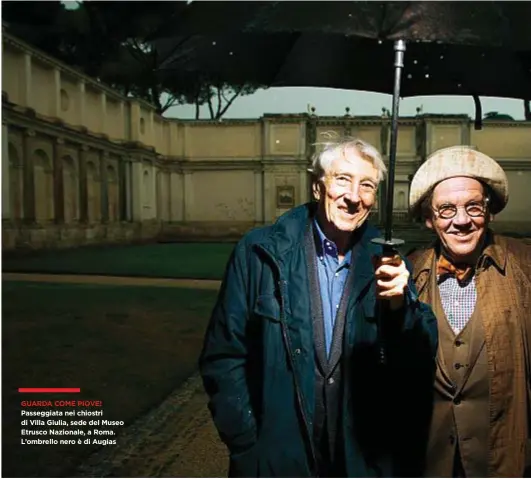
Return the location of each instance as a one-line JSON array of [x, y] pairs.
[[389, 248]]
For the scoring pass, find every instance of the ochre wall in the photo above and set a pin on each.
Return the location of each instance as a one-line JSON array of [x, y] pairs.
[[83, 164]]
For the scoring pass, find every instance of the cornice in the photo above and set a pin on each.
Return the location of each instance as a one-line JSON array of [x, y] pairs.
[[507, 123], [218, 165], [229, 121], [361, 121], [285, 160], [515, 163], [20, 45], [292, 119], [33, 125]]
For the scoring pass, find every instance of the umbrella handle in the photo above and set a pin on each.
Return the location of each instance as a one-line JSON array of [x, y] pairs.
[[389, 248]]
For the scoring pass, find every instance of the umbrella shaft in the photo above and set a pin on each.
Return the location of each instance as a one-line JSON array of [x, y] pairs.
[[400, 48]]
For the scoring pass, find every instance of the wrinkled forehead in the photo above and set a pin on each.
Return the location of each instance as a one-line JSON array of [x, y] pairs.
[[350, 161]]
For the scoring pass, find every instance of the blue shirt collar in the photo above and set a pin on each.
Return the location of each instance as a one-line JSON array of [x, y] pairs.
[[324, 246]]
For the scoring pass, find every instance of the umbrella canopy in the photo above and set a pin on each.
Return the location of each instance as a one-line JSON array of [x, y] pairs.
[[453, 48], [464, 48]]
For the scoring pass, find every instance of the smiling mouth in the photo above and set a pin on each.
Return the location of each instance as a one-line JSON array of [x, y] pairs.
[[348, 211], [462, 234]]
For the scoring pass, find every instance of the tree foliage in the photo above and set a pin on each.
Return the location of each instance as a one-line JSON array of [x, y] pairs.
[[107, 41], [494, 115]]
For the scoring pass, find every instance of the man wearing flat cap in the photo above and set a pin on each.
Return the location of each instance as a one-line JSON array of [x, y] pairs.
[[479, 286]]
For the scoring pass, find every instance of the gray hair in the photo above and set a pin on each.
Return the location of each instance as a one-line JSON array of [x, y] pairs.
[[339, 147]]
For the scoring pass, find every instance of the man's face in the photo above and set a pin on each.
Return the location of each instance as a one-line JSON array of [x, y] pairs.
[[462, 235], [346, 194]]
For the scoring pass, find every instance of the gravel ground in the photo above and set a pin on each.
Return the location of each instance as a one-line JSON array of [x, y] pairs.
[[177, 439]]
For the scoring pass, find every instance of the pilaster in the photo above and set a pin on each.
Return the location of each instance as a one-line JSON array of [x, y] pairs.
[[28, 176], [6, 184]]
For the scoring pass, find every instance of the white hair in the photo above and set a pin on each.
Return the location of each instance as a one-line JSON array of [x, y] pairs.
[[338, 148]]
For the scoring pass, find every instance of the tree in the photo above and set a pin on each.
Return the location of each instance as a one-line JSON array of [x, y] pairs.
[[494, 115], [107, 41]]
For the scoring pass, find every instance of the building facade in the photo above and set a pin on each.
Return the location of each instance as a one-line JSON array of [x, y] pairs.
[[82, 164]]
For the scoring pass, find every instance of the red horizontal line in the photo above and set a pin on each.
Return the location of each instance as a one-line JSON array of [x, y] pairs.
[[49, 390]]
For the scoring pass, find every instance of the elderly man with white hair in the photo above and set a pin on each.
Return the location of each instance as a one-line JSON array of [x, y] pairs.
[[478, 284], [291, 355]]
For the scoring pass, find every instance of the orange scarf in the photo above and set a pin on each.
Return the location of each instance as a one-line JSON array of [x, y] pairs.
[[461, 271]]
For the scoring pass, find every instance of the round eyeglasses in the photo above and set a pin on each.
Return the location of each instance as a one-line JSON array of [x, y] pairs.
[[474, 209]]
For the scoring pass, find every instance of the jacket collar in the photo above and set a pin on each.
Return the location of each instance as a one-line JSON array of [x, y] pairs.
[[493, 253], [287, 233]]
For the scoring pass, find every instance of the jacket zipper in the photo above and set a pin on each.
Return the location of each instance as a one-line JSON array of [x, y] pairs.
[[292, 364]]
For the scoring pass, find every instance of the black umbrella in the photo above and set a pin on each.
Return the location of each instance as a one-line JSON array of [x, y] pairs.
[[453, 48]]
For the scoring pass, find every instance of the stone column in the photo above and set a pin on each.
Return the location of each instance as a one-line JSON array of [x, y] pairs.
[[151, 129], [311, 139], [26, 82], [303, 185], [123, 135], [384, 133], [56, 104], [465, 132], [258, 195], [420, 141], [104, 187], [188, 197], [83, 193], [176, 196], [269, 197], [58, 186], [128, 190], [136, 189], [6, 195], [134, 119], [81, 93], [28, 178], [122, 188], [154, 191], [103, 119]]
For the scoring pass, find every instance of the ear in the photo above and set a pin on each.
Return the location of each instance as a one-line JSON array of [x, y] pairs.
[[429, 223], [316, 190]]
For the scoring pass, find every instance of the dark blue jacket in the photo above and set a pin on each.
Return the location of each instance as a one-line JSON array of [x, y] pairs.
[[258, 367]]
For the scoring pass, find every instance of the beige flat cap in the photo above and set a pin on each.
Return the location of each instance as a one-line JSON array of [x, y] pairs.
[[458, 161]]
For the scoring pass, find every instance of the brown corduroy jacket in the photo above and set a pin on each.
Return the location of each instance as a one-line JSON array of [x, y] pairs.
[[503, 281]]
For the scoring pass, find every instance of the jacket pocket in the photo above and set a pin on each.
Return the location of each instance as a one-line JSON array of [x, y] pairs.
[[267, 307], [267, 312]]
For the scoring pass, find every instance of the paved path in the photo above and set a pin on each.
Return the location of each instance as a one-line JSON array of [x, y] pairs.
[[112, 280], [177, 439]]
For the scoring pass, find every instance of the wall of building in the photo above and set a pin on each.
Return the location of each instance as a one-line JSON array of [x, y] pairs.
[[81, 164]]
